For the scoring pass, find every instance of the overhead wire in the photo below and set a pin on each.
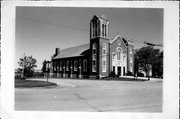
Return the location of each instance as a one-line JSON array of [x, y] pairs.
[[71, 27]]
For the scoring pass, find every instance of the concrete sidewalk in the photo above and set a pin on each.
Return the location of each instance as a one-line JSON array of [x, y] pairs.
[[143, 78]]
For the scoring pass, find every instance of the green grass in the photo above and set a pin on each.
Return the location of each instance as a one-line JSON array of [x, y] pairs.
[[19, 83]]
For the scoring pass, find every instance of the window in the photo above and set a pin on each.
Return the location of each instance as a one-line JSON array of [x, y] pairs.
[[67, 66], [102, 29], [75, 65], [113, 56], [93, 29], [57, 65], [124, 57], [94, 53], [104, 66], [105, 30], [61, 65], [104, 57], [118, 55], [85, 65], [54, 66], [131, 56]]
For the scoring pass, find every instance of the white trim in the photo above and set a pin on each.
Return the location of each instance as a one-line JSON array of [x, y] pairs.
[[120, 39]]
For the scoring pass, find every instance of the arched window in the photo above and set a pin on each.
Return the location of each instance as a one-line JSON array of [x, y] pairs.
[[94, 55], [102, 29], [85, 65], [119, 53], [104, 48], [75, 65], [67, 66], [93, 30], [113, 56], [105, 30]]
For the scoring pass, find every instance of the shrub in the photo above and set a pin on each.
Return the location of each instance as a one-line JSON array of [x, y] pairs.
[[140, 74], [129, 73], [112, 74]]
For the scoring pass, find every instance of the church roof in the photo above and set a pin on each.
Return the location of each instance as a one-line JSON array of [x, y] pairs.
[[74, 51]]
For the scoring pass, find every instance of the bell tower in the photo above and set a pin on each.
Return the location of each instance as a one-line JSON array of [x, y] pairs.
[[99, 27], [99, 46]]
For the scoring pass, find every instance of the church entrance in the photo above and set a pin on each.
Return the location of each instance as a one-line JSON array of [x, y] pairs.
[[123, 70], [119, 71], [113, 69]]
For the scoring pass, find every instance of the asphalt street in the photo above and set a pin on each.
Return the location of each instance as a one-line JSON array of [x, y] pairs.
[[92, 95]]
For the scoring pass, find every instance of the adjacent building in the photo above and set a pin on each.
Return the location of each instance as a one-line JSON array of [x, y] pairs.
[[101, 57]]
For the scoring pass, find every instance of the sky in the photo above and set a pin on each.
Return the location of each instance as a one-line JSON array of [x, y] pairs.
[[39, 30]]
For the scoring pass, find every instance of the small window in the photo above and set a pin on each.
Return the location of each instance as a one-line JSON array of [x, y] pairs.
[[94, 66], [61, 65], [113, 56], [67, 66], [94, 53], [57, 65], [94, 62], [75, 65], [102, 29], [54, 66], [105, 30], [124, 57], [85, 65], [103, 57], [104, 51], [104, 66]]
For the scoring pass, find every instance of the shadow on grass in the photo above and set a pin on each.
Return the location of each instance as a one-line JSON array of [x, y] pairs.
[[19, 83]]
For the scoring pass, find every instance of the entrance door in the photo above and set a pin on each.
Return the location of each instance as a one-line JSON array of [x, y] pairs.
[[123, 70], [113, 69], [119, 71]]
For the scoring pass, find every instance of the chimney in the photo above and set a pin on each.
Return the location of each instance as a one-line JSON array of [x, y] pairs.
[[57, 51]]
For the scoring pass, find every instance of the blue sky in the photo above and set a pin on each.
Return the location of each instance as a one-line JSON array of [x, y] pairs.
[[39, 30]]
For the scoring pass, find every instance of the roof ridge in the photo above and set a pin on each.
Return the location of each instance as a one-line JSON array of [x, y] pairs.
[[74, 46]]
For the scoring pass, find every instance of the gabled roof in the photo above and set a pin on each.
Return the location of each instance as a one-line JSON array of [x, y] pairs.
[[100, 17], [118, 36], [73, 51], [126, 42]]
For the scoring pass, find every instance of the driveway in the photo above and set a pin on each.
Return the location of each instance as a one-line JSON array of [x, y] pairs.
[[92, 95]]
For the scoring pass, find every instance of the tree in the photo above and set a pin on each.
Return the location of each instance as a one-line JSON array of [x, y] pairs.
[[28, 63], [43, 66], [147, 57], [158, 66]]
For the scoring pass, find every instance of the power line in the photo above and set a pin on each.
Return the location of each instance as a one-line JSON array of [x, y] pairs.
[[54, 24], [81, 29]]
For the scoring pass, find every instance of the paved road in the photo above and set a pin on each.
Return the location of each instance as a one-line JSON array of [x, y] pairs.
[[93, 95]]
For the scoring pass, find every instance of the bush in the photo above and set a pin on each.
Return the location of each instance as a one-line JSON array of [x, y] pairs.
[[112, 74], [129, 73], [140, 74]]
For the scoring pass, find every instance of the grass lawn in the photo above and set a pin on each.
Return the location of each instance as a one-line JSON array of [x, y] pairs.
[[19, 83], [124, 79]]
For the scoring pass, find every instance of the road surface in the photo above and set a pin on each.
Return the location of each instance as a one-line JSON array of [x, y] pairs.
[[92, 95]]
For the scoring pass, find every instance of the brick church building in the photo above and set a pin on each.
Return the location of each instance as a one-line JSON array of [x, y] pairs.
[[99, 58]]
